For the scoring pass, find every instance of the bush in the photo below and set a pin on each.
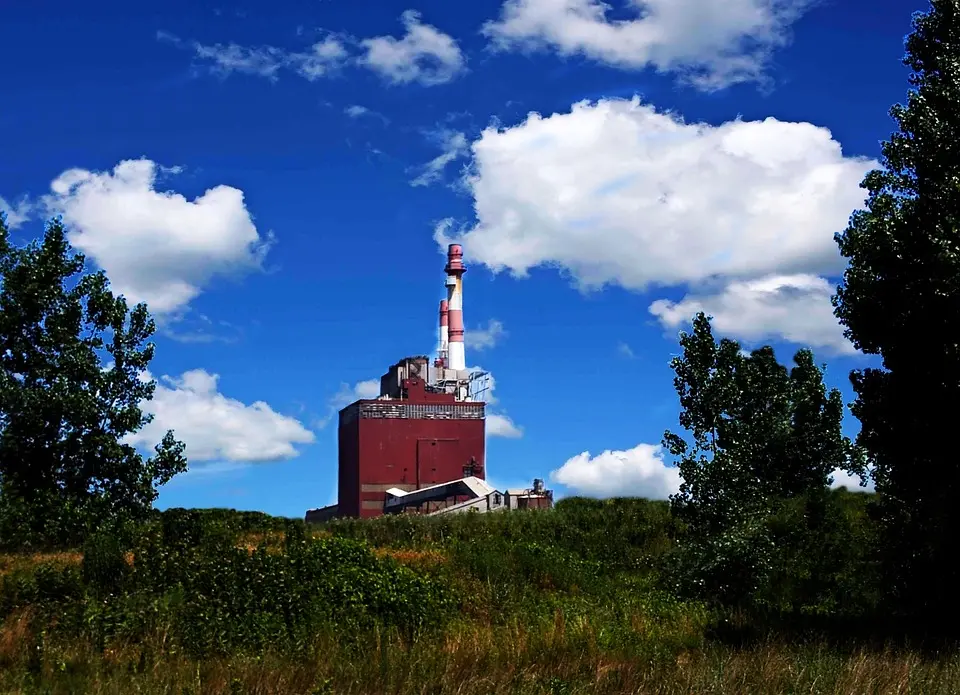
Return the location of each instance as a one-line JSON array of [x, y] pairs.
[[104, 566]]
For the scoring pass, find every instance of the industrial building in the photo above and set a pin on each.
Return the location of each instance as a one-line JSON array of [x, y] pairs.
[[420, 445]]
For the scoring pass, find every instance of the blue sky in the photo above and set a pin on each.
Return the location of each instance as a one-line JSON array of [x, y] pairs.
[[278, 182]]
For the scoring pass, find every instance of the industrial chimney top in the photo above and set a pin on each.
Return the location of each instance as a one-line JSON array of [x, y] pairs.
[[455, 259]]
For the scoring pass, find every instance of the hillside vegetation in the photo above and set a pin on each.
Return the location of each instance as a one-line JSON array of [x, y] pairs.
[[578, 599]]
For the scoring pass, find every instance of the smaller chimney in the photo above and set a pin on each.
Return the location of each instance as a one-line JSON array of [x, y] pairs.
[[444, 333]]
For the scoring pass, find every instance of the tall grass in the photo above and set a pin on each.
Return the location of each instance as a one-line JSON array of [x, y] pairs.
[[555, 657], [574, 600]]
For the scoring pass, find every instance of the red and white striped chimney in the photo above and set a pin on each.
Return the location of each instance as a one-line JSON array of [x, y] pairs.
[[456, 358], [444, 333]]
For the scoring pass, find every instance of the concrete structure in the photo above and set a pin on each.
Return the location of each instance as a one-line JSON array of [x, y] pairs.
[[423, 435]]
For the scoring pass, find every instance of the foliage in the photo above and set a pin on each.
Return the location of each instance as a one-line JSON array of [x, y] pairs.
[[521, 602], [620, 534], [760, 435], [64, 415], [900, 299]]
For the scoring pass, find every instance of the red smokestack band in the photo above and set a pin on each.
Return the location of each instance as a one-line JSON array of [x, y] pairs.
[[456, 325], [443, 312]]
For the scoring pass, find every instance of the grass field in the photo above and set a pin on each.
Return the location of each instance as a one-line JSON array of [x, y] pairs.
[[559, 602]]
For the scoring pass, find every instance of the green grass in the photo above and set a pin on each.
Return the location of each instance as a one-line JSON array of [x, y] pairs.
[[567, 601]]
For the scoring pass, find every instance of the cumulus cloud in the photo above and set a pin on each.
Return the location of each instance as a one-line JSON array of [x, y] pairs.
[[796, 308], [615, 192], [500, 425], [851, 482], [454, 145], [484, 338], [156, 246], [424, 54], [637, 472], [322, 58], [215, 427], [17, 213], [711, 43]]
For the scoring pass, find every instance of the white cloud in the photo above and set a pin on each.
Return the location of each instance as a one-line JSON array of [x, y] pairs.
[[356, 111], [323, 57], [636, 472], [796, 308], [711, 43], [851, 482], [454, 146], [424, 54], [217, 428], [263, 61], [500, 425], [17, 213], [347, 394], [625, 350], [156, 246], [320, 59], [484, 338], [614, 192], [359, 111]]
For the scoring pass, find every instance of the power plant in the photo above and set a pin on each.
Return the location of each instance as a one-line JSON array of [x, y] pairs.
[[420, 446]]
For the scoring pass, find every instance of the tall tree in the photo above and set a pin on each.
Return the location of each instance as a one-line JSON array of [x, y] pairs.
[[759, 431], [64, 414], [900, 299], [760, 434]]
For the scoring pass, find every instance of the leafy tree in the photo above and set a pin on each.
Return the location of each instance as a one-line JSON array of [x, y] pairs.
[[900, 299], [713, 491], [64, 416], [760, 434]]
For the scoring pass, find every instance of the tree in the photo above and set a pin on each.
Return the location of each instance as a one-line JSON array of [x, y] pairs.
[[760, 435], [64, 415], [900, 300]]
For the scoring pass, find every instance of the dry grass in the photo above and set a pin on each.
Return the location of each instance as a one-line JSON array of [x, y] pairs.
[[272, 539], [11, 562], [562, 657], [417, 559]]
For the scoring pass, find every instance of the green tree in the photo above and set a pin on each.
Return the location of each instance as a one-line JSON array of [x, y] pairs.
[[900, 300], [760, 435], [64, 415]]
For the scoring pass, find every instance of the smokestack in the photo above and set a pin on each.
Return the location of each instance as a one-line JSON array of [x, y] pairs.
[[456, 359], [444, 332]]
